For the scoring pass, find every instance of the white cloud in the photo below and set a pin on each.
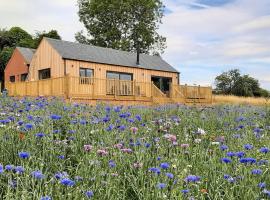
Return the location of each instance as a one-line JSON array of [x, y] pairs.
[[201, 42], [211, 40]]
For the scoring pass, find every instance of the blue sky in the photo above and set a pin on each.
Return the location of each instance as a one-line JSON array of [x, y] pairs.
[[204, 37]]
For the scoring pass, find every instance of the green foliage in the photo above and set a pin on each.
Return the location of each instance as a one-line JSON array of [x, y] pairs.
[[5, 55], [233, 83], [16, 36], [51, 34], [123, 25]]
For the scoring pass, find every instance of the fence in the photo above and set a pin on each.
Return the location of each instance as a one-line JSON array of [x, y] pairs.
[[109, 89]]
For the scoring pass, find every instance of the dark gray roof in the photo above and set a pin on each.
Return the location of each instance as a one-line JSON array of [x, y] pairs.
[[77, 51], [27, 53]]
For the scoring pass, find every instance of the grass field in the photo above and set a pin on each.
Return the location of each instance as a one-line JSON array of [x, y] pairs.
[[53, 150], [229, 99]]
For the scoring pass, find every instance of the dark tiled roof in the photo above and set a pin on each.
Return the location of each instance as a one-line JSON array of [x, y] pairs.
[[27, 53], [83, 52]]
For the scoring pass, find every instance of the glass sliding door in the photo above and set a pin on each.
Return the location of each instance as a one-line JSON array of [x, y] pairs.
[[119, 83]]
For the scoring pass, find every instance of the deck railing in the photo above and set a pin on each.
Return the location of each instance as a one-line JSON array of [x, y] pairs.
[[94, 88]]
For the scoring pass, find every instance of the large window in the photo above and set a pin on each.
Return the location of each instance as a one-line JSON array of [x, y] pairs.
[[119, 83], [119, 76], [12, 78], [23, 77], [86, 72], [44, 74], [86, 75]]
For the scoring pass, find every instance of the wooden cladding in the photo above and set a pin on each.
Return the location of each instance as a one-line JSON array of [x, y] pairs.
[[109, 89]]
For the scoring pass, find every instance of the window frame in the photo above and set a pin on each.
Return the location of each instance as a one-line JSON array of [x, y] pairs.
[[119, 75], [40, 76], [84, 79], [12, 79], [22, 75]]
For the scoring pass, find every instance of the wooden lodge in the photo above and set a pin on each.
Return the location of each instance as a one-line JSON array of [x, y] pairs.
[[88, 73]]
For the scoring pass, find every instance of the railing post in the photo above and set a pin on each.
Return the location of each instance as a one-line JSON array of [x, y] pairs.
[[133, 88], [199, 93], [93, 90], [67, 86], [114, 82], [152, 95], [170, 90]]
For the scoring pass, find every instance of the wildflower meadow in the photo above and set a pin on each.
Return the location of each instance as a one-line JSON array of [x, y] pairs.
[[52, 150]]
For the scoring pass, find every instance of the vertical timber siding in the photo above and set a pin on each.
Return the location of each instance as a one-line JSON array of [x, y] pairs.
[[46, 57], [16, 66], [139, 75]]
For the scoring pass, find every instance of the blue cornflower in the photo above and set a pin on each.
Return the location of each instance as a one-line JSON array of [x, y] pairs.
[[267, 192], [122, 127], [55, 117], [192, 178], [226, 160], [60, 175], [185, 191], [110, 127], [112, 164], [230, 154], [40, 135], [159, 158], [37, 174], [262, 185], [262, 162], [19, 169], [248, 146], [138, 117], [147, 145], [62, 157], [264, 150], [46, 198], [226, 176], [28, 126], [155, 170], [161, 185], [67, 182], [256, 171], [9, 167], [169, 175], [1, 169], [247, 160], [223, 147], [164, 165], [24, 155], [240, 154], [89, 194]]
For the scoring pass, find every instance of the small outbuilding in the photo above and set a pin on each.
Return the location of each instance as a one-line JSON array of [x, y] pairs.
[[18, 66]]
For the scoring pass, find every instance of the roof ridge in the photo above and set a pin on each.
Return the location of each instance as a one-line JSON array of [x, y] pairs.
[[105, 48]]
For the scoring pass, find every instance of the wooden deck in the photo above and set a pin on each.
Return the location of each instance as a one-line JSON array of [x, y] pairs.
[[93, 90]]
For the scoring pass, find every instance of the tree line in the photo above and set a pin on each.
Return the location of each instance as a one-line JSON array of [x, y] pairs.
[[233, 83]]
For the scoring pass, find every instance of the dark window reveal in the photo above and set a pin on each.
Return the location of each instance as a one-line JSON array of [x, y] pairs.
[[85, 72], [86, 75], [23, 77], [44, 74], [119, 83], [119, 76], [12, 78]]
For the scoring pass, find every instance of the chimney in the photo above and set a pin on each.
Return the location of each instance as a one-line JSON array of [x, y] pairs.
[[138, 55]]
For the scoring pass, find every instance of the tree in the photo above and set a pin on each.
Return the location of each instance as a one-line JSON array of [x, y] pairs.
[[16, 36], [232, 82], [124, 25], [51, 34]]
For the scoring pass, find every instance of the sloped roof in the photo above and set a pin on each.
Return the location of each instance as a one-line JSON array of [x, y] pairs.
[[27, 53], [83, 52]]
